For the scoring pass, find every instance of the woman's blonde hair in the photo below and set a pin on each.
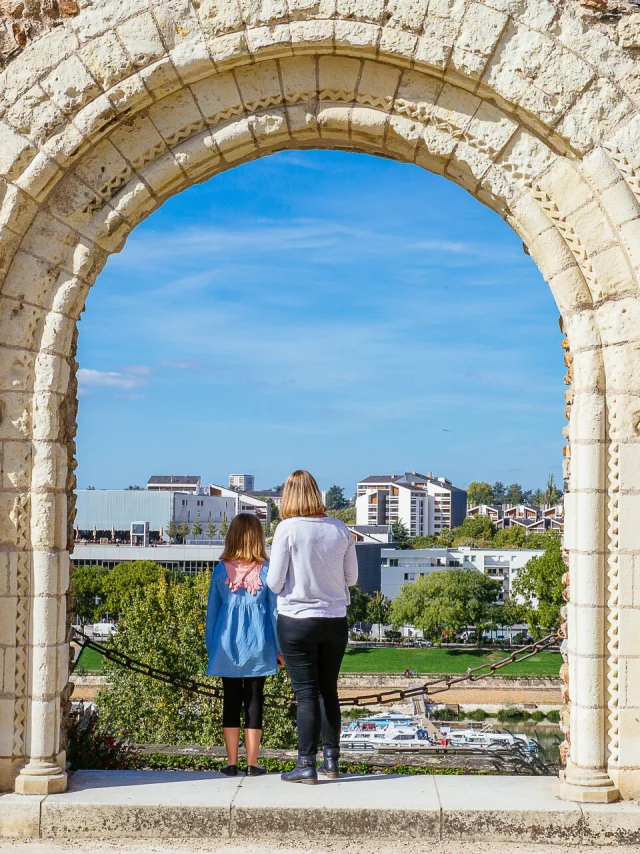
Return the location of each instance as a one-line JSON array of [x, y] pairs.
[[301, 496], [245, 540]]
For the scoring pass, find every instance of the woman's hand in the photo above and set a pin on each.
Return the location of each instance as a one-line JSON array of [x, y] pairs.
[[280, 660]]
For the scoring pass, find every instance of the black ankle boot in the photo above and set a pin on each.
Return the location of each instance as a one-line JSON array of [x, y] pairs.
[[255, 770], [304, 772], [229, 770], [330, 767]]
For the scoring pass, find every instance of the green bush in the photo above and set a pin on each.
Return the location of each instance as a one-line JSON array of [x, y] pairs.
[[510, 715], [476, 715], [444, 715], [164, 626], [538, 716], [553, 716]]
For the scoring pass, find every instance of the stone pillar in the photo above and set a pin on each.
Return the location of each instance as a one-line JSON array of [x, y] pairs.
[[585, 778], [48, 571]]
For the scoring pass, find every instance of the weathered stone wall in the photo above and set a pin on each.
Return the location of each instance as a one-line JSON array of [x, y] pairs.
[[530, 105]]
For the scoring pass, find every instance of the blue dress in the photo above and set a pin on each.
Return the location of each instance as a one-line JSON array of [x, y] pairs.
[[241, 629]]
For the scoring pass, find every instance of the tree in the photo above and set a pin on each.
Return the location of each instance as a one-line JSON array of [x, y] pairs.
[[427, 542], [552, 494], [335, 499], [379, 609], [513, 537], [172, 530], [224, 527], [132, 487], [278, 488], [212, 529], [274, 513], [514, 494], [540, 586], [164, 626], [87, 585], [196, 529], [401, 535], [347, 514], [126, 580], [542, 541], [184, 529], [445, 601], [357, 608], [475, 529], [499, 492], [91, 488], [479, 492], [445, 538]]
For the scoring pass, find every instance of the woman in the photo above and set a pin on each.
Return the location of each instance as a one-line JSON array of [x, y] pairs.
[[241, 637], [313, 564]]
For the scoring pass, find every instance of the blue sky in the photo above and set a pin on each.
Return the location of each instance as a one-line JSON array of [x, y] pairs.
[[331, 311]]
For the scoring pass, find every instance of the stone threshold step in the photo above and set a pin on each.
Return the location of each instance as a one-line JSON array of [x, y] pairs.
[[207, 805]]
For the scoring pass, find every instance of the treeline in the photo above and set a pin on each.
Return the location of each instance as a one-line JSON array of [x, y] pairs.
[[481, 492], [478, 531]]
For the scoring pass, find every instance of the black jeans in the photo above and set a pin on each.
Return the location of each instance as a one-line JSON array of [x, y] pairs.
[[243, 692], [313, 649]]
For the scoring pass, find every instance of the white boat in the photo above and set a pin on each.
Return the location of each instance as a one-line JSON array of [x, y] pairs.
[[486, 738], [383, 737]]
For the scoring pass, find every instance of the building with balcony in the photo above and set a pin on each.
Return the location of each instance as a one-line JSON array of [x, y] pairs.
[[404, 566], [533, 519], [424, 503]]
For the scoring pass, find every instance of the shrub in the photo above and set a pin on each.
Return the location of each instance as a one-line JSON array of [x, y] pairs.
[[92, 748], [553, 716], [510, 715], [164, 626], [538, 716], [443, 714], [476, 715]]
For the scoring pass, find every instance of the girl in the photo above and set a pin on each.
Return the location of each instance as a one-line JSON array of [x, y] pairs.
[[241, 637], [313, 564]]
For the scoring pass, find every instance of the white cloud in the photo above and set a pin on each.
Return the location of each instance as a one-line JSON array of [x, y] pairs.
[[128, 378]]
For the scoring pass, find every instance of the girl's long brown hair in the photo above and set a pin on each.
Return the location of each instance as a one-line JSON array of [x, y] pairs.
[[301, 496], [245, 540]]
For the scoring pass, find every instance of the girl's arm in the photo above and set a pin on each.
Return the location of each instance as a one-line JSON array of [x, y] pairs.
[[350, 564], [213, 608], [279, 561]]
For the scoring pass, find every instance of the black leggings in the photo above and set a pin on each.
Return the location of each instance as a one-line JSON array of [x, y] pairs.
[[238, 692], [313, 648]]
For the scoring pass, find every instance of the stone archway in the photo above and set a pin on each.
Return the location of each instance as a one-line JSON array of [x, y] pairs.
[[526, 104]]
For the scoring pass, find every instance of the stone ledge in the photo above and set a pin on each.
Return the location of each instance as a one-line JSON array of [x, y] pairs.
[[166, 805]]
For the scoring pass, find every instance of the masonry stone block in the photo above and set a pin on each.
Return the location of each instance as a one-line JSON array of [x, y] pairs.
[[407, 14]]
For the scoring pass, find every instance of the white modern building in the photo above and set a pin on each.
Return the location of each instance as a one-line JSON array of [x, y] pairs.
[[242, 482], [174, 483], [403, 566], [424, 503], [187, 559], [107, 514]]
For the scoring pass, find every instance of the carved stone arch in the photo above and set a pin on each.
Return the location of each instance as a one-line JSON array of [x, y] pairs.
[[127, 104]]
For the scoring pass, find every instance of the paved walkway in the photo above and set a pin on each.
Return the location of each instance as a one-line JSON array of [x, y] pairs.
[[111, 805]]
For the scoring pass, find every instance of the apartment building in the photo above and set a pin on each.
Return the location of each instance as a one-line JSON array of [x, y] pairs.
[[242, 482], [403, 566], [424, 503], [532, 519]]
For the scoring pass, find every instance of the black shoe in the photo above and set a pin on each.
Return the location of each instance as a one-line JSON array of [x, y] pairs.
[[229, 770], [330, 767], [255, 771], [304, 772]]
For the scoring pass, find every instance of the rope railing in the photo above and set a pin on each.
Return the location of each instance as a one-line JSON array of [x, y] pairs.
[[434, 686]]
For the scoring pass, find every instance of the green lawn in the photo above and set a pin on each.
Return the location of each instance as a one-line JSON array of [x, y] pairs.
[[91, 660], [389, 660]]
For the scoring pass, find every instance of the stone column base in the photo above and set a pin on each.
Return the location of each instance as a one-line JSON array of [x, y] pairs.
[[587, 787], [41, 778]]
